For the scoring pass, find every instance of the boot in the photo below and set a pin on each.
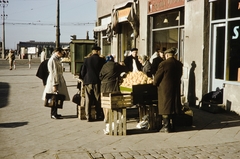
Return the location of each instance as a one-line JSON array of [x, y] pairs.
[[166, 124]]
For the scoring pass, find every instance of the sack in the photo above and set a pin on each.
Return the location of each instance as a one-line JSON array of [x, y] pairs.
[[76, 98], [54, 100]]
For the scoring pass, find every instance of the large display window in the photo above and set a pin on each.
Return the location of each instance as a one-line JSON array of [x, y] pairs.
[[233, 53], [225, 48], [167, 28]]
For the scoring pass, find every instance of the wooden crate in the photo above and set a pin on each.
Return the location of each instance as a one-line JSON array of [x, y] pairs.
[[116, 100], [118, 119]]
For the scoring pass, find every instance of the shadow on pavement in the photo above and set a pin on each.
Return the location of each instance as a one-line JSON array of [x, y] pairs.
[[4, 93], [69, 116], [13, 124], [203, 120]]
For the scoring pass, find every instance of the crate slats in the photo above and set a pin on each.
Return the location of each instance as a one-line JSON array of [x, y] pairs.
[[114, 101]]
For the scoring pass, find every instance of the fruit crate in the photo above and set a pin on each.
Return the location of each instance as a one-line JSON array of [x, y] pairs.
[[116, 100]]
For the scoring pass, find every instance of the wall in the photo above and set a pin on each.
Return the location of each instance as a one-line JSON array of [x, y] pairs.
[[143, 30], [232, 100], [104, 7], [194, 46]]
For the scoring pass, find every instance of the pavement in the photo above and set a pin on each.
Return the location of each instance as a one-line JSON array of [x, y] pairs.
[[28, 132]]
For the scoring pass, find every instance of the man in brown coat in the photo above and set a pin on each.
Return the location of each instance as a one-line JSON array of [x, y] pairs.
[[168, 79]]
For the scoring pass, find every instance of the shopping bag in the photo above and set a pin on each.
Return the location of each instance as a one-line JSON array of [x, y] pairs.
[[54, 100]]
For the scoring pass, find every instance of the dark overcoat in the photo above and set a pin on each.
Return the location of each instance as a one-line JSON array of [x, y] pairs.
[[109, 76], [155, 63], [168, 80], [91, 69], [129, 63], [42, 71]]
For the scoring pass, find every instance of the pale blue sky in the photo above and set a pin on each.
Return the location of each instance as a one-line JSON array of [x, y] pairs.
[[22, 14]]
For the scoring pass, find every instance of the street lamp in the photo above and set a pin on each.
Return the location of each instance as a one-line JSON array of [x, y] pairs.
[[3, 3]]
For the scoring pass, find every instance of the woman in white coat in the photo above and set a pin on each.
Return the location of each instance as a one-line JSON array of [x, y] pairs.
[[55, 80]]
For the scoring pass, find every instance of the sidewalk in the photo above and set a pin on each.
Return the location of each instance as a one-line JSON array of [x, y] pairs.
[[27, 131]]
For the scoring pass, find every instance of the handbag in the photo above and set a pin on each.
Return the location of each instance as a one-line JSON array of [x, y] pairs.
[[76, 98], [54, 100]]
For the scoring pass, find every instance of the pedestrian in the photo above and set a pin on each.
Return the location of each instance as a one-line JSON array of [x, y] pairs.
[[109, 76], [132, 62], [154, 55], [55, 81], [146, 65], [11, 58], [158, 60], [43, 55], [168, 80], [90, 74]]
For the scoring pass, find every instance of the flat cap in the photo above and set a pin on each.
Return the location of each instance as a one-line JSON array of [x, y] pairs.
[[171, 51], [134, 49], [96, 48]]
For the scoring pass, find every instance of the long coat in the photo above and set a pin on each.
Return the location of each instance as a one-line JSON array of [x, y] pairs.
[[55, 77], [168, 80]]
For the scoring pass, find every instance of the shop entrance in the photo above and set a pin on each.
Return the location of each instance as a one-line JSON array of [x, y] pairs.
[[218, 64]]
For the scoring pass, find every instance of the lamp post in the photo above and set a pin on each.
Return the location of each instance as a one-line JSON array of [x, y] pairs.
[[57, 27], [3, 4]]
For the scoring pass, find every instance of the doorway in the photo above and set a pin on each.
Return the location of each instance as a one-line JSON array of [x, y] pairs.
[[218, 57]]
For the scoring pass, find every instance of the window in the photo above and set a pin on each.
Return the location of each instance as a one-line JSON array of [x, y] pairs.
[[233, 62], [168, 19], [165, 38], [234, 8], [219, 10]]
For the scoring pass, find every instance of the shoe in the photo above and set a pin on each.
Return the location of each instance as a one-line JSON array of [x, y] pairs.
[[89, 120], [55, 117], [59, 115]]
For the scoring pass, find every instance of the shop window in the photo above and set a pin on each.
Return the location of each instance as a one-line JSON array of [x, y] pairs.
[[234, 8], [219, 10], [233, 62], [165, 38], [165, 20]]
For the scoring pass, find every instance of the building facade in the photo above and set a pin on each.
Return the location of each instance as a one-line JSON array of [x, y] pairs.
[[206, 33]]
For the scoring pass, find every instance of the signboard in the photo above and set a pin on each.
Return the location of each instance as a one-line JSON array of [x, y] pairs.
[[161, 5], [31, 50]]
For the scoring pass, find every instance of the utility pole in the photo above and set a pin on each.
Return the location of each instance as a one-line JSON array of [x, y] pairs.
[[57, 27], [3, 4]]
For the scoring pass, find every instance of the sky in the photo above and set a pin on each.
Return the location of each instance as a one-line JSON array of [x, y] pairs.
[[35, 19]]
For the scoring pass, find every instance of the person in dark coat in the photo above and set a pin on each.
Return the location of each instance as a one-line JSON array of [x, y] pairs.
[[132, 62], [109, 76], [42, 71], [90, 74], [168, 80], [157, 61]]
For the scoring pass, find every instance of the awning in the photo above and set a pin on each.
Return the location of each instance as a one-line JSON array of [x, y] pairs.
[[123, 14], [100, 28]]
